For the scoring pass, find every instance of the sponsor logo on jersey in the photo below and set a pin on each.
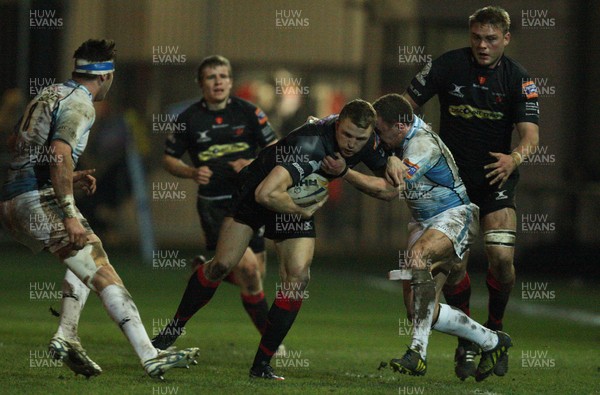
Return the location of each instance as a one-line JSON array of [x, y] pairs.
[[481, 79], [501, 195], [529, 89], [412, 168], [499, 97], [414, 90], [299, 168], [219, 150], [203, 138], [268, 134], [219, 120], [238, 130], [456, 90], [261, 116], [467, 112], [423, 73], [532, 108]]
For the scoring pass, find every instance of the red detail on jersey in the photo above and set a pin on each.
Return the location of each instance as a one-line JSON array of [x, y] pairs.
[[481, 79], [498, 99], [219, 120], [239, 131]]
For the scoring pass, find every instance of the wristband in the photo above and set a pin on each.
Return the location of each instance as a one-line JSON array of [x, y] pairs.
[[517, 158], [343, 173], [67, 205]]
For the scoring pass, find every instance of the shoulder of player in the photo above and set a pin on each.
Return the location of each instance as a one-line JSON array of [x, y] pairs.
[[514, 68], [78, 101], [450, 58], [305, 130], [194, 108], [242, 104], [423, 140], [248, 108]]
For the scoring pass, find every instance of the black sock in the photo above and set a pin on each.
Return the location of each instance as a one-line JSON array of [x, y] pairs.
[[458, 295], [199, 292], [281, 317], [498, 299], [258, 310]]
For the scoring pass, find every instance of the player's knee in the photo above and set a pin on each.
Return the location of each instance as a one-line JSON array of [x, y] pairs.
[[457, 274], [300, 278], [86, 263], [420, 256], [106, 274], [499, 257], [249, 275], [216, 270]]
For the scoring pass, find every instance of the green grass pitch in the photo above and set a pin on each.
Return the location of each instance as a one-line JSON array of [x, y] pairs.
[[346, 327]]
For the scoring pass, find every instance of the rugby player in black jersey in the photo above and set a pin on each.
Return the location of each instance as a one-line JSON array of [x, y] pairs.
[[483, 94], [222, 134], [261, 199]]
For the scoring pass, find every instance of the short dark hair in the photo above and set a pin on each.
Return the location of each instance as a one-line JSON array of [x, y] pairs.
[[491, 15], [393, 108], [94, 50], [360, 112], [213, 61]]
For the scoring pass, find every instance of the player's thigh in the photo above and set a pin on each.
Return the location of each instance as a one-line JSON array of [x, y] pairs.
[[431, 250], [90, 264], [233, 242], [499, 235], [211, 213], [295, 257], [505, 218]]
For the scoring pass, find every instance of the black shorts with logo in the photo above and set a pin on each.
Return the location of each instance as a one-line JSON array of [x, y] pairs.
[[246, 210], [489, 199], [212, 213]]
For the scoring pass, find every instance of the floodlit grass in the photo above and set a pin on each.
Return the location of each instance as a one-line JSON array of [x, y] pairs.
[[345, 329]]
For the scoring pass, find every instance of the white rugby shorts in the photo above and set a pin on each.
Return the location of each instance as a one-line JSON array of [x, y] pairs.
[[460, 224], [35, 220]]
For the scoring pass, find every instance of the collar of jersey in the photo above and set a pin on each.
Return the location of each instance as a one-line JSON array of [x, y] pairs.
[[204, 105], [76, 85], [479, 67], [418, 122]]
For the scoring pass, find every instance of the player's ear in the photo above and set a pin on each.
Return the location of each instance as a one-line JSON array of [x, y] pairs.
[[506, 38]]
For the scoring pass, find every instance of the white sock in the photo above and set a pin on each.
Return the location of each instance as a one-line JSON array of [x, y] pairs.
[[122, 310], [420, 339], [74, 296], [454, 322]]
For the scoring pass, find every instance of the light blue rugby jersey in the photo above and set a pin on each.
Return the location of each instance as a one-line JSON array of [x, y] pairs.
[[433, 184], [60, 112]]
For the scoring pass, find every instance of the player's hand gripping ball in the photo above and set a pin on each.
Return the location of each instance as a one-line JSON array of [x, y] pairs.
[[310, 190]]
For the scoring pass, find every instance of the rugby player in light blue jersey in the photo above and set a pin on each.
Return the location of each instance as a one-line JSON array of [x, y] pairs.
[[443, 223], [38, 209]]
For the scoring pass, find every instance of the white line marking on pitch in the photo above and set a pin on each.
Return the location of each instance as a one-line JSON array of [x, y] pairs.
[[531, 309]]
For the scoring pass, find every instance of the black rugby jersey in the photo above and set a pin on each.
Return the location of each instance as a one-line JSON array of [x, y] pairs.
[[214, 138], [479, 106], [302, 151]]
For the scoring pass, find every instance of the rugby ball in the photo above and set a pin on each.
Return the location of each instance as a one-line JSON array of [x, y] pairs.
[[310, 190]]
